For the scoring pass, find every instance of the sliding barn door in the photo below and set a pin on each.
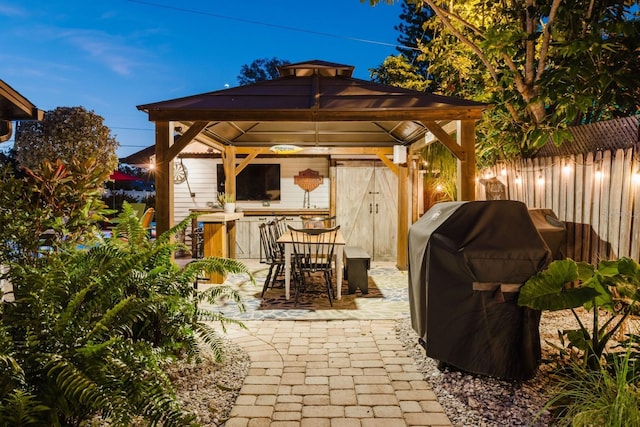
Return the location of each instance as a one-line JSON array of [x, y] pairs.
[[367, 208]]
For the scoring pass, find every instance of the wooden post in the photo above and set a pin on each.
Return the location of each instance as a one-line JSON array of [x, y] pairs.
[[467, 166], [164, 178], [229, 165], [403, 218], [332, 190]]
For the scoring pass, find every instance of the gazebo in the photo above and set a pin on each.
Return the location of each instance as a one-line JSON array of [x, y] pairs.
[[321, 109]]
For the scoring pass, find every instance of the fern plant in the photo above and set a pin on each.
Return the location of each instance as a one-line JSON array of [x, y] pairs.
[[91, 327]]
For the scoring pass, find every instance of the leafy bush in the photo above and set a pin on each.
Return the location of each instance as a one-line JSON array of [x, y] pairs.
[[597, 385], [614, 288], [91, 322]]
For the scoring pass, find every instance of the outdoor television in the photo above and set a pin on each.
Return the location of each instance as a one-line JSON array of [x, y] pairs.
[[259, 181]]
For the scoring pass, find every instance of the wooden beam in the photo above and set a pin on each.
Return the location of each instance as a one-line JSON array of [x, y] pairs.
[[324, 150], [229, 165], [467, 166], [444, 137], [414, 173], [163, 178], [186, 138], [208, 141], [314, 115], [248, 159], [403, 218], [389, 163]]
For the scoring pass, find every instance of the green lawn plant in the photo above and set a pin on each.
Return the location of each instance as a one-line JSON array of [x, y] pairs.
[[91, 322]]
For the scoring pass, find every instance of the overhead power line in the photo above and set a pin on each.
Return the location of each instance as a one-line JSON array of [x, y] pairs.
[[266, 24]]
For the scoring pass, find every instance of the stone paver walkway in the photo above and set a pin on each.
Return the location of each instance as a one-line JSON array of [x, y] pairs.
[[331, 373]]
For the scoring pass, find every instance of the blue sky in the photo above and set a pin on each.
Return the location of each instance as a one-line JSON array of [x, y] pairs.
[[111, 55]]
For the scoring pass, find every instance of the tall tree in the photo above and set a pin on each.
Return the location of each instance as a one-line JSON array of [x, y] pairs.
[[260, 70], [396, 71], [66, 134], [544, 65], [414, 33]]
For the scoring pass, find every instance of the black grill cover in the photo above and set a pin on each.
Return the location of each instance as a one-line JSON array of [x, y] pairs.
[[466, 263], [552, 230]]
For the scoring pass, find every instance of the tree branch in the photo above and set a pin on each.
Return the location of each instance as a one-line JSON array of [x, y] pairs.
[[442, 14], [546, 39]]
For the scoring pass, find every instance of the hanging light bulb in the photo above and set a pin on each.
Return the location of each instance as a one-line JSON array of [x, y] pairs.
[[503, 171], [439, 188], [598, 174], [518, 180], [540, 179], [566, 168], [636, 177]]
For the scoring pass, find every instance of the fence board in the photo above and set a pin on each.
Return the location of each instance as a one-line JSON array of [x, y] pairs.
[[530, 181], [548, 182], [615, 203], [556, 170], [635, 222], [604, 248], [578, 214], [626, 204], [587, 207]]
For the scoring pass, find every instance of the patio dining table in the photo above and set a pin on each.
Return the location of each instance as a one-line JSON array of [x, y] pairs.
[[287, 239]]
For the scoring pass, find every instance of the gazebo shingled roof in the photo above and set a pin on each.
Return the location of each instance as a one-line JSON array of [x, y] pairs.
[[313, 104]]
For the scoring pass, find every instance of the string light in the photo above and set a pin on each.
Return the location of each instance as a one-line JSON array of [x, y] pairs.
[[518, 180], [636, 177], [439, 188], [540, 179], [503, 172], [598, 175]]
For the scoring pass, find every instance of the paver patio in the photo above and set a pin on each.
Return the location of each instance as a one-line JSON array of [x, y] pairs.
[[330, 373]]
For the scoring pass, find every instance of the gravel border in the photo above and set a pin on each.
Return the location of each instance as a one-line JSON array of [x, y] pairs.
[[209, 389]]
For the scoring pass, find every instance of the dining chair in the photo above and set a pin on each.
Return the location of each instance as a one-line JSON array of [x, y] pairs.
[[147, 218], [280, 226], [313, 251], [270, 255]]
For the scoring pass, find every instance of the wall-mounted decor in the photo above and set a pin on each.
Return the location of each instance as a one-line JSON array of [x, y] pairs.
[[308, 180]]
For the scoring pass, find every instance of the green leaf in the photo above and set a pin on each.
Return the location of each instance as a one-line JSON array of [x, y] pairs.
[[549, 289]]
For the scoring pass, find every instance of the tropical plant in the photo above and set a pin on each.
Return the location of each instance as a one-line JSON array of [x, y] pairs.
[[612, 289], [440, 171]]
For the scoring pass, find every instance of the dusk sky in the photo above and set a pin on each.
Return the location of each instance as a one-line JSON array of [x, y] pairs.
[[111, 55]]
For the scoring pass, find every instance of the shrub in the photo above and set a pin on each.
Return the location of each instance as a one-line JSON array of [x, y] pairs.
[[93, 321]]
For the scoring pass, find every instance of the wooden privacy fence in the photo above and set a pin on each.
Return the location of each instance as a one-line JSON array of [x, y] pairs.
[[596, 195]]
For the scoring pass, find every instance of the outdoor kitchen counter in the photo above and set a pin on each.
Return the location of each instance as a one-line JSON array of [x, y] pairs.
[[219, 237], [271, 210], [252, 213]]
